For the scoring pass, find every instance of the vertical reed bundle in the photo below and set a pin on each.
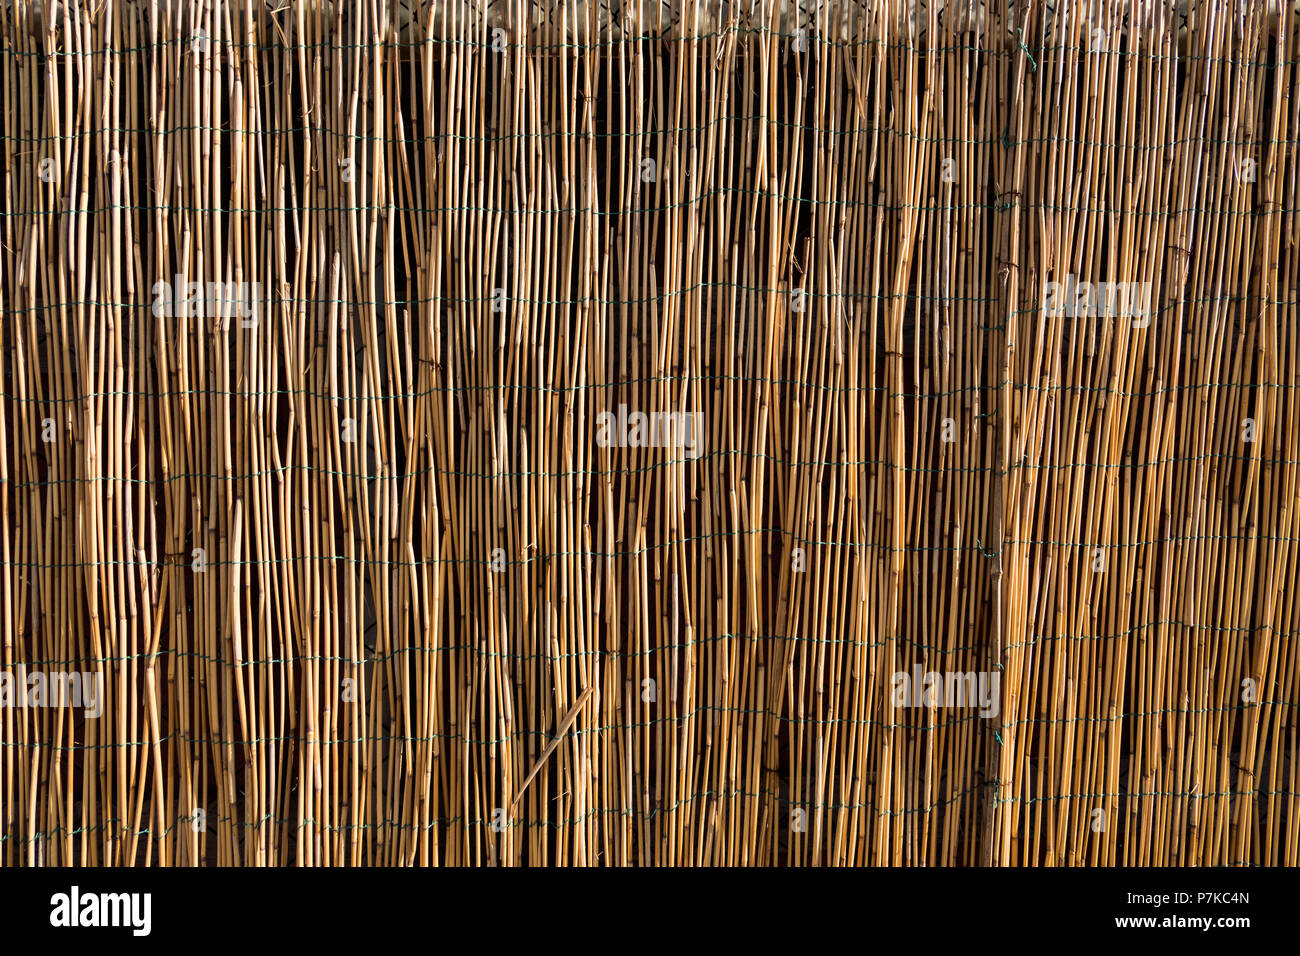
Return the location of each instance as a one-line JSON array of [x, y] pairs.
[[491, 433]]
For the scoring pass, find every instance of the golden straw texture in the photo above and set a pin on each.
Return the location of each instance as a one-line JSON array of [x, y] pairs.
[[719, 433]]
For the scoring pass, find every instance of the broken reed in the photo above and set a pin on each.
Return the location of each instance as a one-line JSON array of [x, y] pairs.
[[362, 587]]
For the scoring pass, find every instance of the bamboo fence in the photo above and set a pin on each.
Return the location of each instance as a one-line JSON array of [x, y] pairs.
[[365, 575]]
